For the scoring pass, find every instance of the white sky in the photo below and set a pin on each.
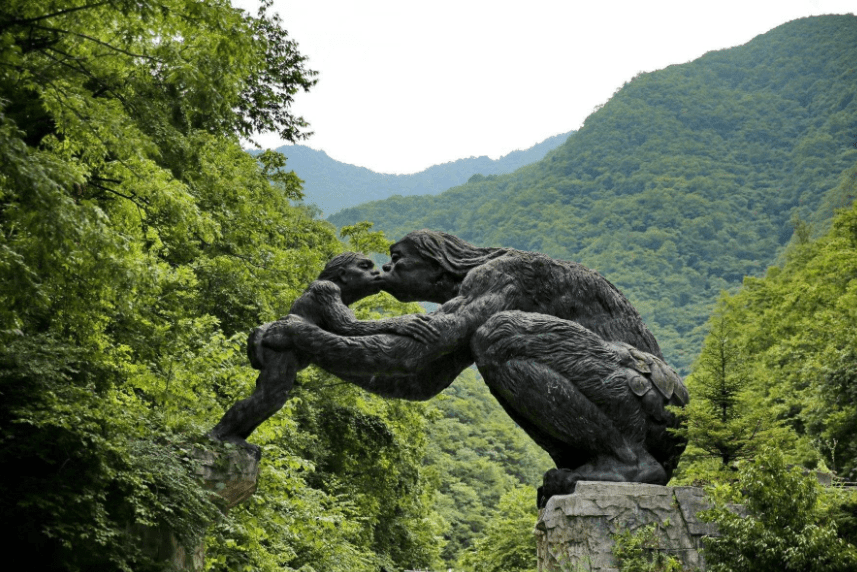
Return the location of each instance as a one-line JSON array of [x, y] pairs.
[[406, 84]]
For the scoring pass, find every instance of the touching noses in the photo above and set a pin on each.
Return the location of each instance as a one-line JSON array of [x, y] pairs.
[[387, 267]]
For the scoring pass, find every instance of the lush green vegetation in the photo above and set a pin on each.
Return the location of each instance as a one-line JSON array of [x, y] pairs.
[[778, 367], [775, 384], [790, 522], [641, 550], [139, 244], [486, 471], [686, 181], [332, 186]]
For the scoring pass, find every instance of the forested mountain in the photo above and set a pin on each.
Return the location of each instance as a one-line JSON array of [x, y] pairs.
[[782, 357], [686, 181], [332, 185]]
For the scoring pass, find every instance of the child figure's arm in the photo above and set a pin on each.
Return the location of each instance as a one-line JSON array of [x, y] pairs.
[[338, 318]]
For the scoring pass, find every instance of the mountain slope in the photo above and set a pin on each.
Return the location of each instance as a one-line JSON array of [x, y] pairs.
[[333, 185], [686, 181]]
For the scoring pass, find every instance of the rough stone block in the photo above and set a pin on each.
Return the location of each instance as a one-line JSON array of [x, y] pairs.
[[231, 476], [574, 532]]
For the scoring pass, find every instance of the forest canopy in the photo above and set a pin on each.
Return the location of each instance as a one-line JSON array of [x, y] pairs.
[[779, 365]]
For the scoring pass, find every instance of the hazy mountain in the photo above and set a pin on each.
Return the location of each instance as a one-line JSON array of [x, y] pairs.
[[333, 185], [686, 181]]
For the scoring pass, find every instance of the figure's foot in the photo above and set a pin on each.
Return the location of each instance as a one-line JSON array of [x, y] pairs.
[[563, 481], [250, 448], [556, 482]]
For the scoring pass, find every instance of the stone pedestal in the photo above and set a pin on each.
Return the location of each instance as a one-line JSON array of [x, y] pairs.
[[231, 476], [574, 532]]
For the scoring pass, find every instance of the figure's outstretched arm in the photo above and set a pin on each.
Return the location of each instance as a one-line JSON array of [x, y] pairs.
[[389, 364], [386, 364], [338, 318]]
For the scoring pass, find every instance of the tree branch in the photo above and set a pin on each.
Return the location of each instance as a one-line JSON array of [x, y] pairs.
[[99, 42], [132, 197], [106, 180], [81, 70], [246, 260], [16, 21]]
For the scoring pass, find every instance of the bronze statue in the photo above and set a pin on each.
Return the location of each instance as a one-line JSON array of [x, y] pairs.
[[347, 278], [563, 351]]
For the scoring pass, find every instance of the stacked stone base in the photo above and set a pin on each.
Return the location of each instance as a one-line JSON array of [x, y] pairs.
[[575, 532]]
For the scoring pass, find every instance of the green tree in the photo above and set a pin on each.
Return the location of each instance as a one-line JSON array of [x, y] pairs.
[[795, 329], [361, 239], [728, 418], [788, 525], [138, 245], [508, 544]]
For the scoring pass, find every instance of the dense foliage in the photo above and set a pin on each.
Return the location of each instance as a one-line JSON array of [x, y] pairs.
[[642, 550], [727, 420], [686, 181], [791, 338], [332, 185], [138, 245], [478, 456], [775, 384], [789, 524], [508, 543]]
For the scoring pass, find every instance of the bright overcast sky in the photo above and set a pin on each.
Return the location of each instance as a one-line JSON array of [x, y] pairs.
[[404, 85]]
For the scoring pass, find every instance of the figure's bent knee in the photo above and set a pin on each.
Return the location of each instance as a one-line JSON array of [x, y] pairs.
[[516, 331], [498, 327]]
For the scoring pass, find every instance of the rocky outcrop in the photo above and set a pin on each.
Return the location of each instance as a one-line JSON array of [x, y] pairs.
[[232, 477]]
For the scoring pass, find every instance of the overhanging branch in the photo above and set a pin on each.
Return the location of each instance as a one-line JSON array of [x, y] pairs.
[[97, 41], [19, 21]]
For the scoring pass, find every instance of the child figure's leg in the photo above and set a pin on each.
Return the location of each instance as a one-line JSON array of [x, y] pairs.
[[272, 389]]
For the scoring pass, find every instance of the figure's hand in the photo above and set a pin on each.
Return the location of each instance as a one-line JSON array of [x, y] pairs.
[[278, 335], [254, 347], [419, 327]]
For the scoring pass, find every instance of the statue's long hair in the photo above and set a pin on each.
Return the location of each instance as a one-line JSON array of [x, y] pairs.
[[457, 257]]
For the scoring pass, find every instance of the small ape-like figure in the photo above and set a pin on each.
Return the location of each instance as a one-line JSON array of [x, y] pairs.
[[347, 278]]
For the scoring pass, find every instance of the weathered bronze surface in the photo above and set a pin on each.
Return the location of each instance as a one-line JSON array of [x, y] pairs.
[[563, 351]]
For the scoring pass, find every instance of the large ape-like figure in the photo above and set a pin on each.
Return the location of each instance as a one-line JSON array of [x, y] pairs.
[[562, 350]]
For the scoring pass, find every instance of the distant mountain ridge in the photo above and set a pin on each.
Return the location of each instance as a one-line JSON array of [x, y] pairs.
[[332, 185], [687, 180]]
